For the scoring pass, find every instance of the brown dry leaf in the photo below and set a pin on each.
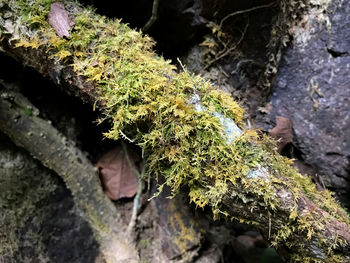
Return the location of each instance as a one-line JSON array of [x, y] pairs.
[[59, 19], [118, 179], [282, 132]]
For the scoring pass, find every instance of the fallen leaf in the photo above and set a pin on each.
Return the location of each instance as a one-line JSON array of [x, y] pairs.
[[59, 20], [118, 179], [282, 132]]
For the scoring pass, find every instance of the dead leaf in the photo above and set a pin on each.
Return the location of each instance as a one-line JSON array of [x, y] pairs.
[[118, 179], [282, 132], [59, 20]]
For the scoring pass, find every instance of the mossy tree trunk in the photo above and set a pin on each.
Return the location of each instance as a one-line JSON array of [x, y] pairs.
[[190, 133]]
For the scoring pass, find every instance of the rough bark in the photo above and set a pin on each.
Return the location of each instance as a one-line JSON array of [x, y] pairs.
[[296, 217], [20, 121]]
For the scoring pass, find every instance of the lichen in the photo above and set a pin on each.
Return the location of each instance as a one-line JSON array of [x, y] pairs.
[[185, 141], [186, 235]]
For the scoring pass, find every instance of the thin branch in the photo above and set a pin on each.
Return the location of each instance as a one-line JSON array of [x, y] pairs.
[[244, 11], [131, 165], [224, 52], [154, 16], [136, 204]]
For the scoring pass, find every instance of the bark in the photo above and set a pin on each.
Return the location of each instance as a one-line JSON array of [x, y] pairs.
[[305, 230], [20, 121]]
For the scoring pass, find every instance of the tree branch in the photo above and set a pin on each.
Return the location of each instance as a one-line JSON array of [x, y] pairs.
[[153, 18], [188, 131], [20, 121]]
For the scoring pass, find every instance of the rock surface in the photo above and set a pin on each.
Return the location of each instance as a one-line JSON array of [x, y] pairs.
[[312, 88]]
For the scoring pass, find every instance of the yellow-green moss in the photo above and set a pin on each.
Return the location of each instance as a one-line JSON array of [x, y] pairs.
[[149, 104]]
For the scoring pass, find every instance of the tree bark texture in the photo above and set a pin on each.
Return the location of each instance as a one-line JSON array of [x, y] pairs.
[[303, 224], [20, 121]]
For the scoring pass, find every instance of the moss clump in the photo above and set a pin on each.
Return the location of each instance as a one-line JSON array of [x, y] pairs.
[[183, 139]]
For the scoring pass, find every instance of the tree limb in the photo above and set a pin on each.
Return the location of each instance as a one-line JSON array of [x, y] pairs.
[[20, 121]]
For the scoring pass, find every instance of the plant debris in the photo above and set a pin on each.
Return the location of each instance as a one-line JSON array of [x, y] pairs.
[[117, 177], [282, 132], [59, 20]]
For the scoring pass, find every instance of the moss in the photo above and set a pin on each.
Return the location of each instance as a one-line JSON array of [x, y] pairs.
[[184, 140]]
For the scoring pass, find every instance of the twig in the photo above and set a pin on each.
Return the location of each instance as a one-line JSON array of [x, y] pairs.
[[136, 205], [182, 66], [269, 225], [153, 18], [224, 52], [223, 72], [244, 11], [126, 137]]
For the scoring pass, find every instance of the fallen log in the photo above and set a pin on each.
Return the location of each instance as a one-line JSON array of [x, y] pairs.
[[190, 133]]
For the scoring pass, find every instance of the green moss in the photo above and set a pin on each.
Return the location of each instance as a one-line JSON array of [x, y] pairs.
[[183, 141]]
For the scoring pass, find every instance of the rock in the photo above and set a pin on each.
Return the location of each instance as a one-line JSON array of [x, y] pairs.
[[312, 88]]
